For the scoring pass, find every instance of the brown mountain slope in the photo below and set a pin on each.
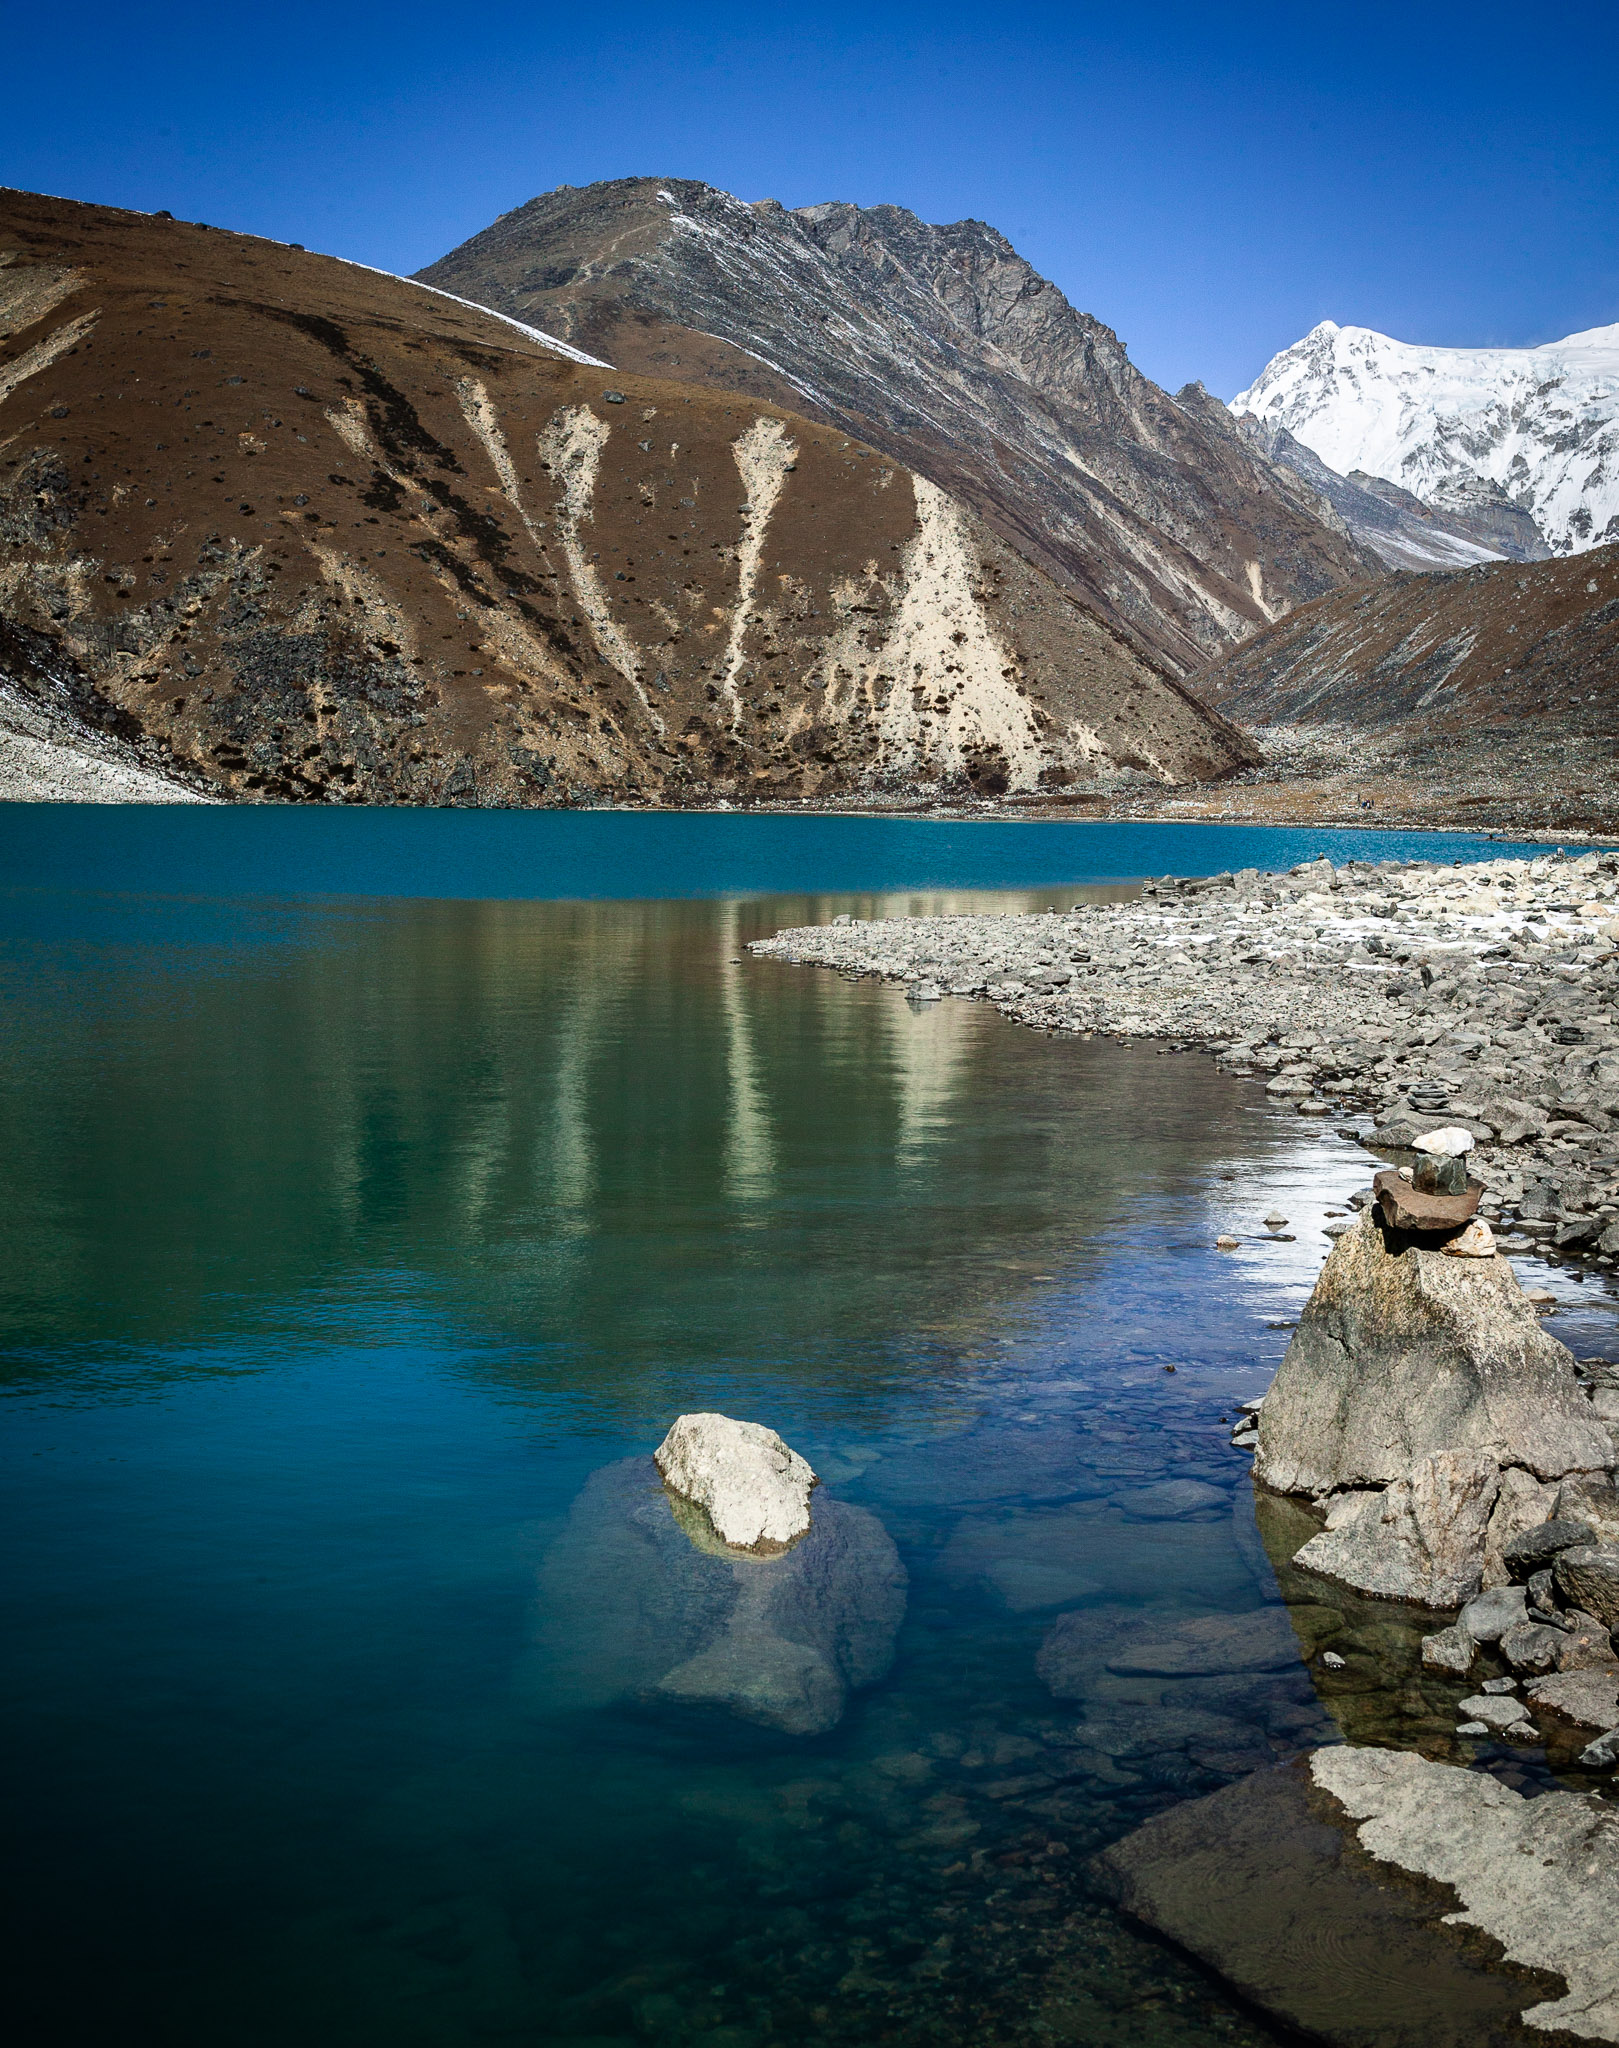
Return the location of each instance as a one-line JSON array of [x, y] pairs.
[[315, 532], [944, 348], [1493, 689]]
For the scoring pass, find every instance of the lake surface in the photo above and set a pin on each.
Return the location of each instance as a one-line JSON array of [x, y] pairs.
[[371, 1185]]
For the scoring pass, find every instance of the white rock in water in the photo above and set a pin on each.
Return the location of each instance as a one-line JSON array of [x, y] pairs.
[[1450, 1143], [753, 1489]]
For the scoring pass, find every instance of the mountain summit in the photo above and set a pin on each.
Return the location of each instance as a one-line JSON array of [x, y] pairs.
[[1464, 429], [944, 348]]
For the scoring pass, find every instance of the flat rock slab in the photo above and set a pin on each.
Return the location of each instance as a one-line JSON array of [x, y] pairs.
[[1214, 1645], [1167, 1499], [1495, 1709], [1408, 1208], [1266, 1884], [1539, 1876], [1590, 1699]]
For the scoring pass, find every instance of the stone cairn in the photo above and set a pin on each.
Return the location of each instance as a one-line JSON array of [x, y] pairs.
[[1458, 1460]]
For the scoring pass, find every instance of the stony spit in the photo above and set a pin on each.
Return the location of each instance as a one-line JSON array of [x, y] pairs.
[[1394, 995]]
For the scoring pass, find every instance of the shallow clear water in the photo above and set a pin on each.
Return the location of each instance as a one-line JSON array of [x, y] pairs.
[[343, 1241]]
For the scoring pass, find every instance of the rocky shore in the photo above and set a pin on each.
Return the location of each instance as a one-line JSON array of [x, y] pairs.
[[1427, 1452], [1387, 997]]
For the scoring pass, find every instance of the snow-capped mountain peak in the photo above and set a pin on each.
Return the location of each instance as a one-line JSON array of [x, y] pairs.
[[1540, 425]]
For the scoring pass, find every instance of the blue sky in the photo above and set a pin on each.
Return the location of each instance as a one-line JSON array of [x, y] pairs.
[[1210, 181]]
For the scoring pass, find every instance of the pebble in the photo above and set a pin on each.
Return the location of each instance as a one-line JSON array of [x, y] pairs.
[[1414, 1000]]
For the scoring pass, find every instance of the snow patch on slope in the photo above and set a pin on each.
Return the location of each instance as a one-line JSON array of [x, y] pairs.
[[559, 348], [1542, 424]]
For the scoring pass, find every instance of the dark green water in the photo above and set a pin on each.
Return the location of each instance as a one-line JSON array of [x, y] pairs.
[[341, 1242]]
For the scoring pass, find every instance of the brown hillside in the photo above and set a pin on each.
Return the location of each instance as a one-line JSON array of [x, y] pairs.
[[315, 532], [1493, 689]]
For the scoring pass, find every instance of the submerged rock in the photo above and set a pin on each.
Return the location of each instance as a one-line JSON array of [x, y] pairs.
[[636, 1606], [754, 1490], [1402, 1353]]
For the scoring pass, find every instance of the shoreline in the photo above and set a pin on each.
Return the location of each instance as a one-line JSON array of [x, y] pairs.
[[1386, 997]]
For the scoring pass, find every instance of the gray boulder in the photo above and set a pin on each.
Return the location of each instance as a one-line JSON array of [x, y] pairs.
[[636, 1605], [1590, 1699], [1533, 1646], [1523, 1503], [1588, 1577], [1401, 1353], [1452, 1651], [1533, 1549], [1421, 1539], [754, 1490], [1592, 1502], [1488, 1618]]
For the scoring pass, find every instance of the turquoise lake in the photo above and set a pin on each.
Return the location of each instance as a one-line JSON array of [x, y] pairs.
[[371, 1184]]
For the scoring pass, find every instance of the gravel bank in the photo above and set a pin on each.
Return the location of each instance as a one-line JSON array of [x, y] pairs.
[[1389, 997], [45, 757]]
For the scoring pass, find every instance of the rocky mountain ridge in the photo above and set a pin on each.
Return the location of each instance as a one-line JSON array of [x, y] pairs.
[[306, 532], [947, 350], [1397, 526], [1464, 429]]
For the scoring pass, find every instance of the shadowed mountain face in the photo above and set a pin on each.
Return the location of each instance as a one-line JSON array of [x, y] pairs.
[[943, 347], [1486, 692], [1510, 645], [306, 531]]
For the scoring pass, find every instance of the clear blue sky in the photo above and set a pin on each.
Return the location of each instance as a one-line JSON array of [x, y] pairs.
[[1210, 181]]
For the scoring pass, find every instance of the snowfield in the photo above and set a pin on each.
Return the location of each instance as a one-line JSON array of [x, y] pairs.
[[1542, 424]]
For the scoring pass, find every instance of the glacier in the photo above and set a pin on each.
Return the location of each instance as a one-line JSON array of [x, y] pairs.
[[1538, 425]]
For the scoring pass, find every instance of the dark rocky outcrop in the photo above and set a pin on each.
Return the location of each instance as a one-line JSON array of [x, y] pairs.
[[944, 348], [633, 1609], [1399, 528], [1478, 693]]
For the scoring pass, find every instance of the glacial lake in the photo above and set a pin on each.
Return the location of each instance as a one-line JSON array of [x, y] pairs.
[[372, 1183]]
